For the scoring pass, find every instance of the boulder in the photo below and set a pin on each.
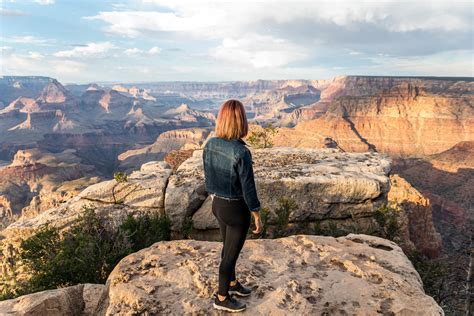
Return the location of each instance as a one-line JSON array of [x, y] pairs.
[[298, 275], [80, 299], [144, 188]]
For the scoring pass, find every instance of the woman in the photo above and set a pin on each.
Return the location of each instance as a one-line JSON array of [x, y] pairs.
[[229, 179]]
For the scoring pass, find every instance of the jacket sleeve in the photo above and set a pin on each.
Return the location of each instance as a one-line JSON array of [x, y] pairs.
[[245, 171]]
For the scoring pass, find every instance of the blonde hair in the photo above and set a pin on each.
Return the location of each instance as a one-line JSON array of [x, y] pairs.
[[231, 121]]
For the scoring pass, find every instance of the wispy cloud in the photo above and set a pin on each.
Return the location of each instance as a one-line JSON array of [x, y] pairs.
[[133, 51], [267, 33], [45, 2], [8, 12], [89, 50], [258, 51], [28, 39], [154, 50]]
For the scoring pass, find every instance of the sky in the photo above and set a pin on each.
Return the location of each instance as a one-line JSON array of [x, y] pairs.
[[81, 41]]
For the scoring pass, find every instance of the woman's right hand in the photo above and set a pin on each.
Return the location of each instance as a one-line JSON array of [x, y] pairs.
[[258, 223]]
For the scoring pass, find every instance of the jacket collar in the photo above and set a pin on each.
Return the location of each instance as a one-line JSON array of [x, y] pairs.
[[241, 141]]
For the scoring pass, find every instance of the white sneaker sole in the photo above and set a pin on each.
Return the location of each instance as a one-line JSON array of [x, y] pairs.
[[238, 293], [222, 308]]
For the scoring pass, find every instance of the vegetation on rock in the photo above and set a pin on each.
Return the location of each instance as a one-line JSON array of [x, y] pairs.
[[262, 139], [85, 253], [119, 177]]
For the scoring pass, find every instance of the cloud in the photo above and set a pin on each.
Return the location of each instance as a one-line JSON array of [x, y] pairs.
[[6, 49], [8, 12], [258, 51], [133, 51], [203, 16], [45, 2], [154, 50], [35, 55], [89, 50], [32, 63], [276, 33], [68, 67], [28, 39]]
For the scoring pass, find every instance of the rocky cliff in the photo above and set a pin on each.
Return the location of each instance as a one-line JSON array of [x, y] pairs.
[[297, 275], [186, 138], [399, 116], [328, 188], [38, 180]]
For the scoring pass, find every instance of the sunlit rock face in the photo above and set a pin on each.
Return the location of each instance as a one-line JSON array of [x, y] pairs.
[[301, 275], [399, 116]]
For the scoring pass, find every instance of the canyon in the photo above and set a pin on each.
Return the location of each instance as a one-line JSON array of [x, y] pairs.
[[61, 144]]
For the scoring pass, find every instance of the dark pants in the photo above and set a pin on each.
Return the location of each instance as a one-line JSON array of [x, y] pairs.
[[234, 221]]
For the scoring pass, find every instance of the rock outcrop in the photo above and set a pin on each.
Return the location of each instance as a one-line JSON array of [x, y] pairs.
[[142, 192], [38, 180], [297, 275], [186, 138], [325, 184], [78, 300], [416, 215]]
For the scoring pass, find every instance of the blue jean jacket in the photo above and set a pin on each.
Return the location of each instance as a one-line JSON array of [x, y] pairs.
[[228, 171]]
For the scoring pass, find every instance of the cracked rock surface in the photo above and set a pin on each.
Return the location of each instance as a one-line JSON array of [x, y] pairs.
[[298, 275]]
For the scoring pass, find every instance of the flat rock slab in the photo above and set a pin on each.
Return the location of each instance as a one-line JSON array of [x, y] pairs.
[[143, 192], [297, 275], [144, 188], [324, 183]]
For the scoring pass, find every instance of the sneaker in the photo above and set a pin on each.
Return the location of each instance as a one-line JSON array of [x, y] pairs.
[[239, 289], [230, 304]]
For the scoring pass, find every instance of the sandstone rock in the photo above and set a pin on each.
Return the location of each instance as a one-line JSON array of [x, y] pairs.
[[297, 275], [91, 295], [37, 180], [185, 192], [65, 301], [203, 219], [143, 192], [80, 299], [324, 183], [144, 188], [419, 228], [166, 143], [399, 116]]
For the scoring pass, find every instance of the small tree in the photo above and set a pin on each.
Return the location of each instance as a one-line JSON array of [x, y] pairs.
[[120, 177], [262, 139]]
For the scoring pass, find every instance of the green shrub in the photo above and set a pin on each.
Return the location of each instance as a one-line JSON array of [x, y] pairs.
[[187, 227], [119, 177], [262, 139], [285, 207], [146, 230], [87, 252], [386, 217]]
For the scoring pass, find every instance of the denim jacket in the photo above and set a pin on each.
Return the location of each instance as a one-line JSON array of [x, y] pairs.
[[228, 171]]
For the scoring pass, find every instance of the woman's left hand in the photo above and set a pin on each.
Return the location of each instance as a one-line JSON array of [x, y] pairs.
[[258, 223]]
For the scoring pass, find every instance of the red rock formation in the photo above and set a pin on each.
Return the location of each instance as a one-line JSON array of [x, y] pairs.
[[402, 117], [419, 228]]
